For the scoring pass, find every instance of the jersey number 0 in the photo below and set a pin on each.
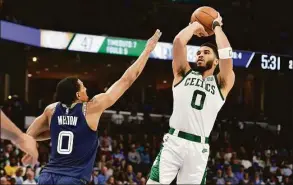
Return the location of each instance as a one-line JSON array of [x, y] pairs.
[[198, 99], [63, 149]]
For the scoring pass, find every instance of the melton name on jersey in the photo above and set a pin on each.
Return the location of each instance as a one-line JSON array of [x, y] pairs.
[[197, 102]]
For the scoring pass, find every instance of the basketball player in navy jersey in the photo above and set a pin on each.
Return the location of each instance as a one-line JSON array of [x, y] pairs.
[[72, 123]]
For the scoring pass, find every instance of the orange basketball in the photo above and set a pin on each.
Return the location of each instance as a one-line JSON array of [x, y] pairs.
[[205, 15]]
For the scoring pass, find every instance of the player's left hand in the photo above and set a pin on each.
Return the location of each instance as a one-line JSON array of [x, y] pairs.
[[152, 42]]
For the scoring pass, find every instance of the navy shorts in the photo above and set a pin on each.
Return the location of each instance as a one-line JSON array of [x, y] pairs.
[[51, 178]]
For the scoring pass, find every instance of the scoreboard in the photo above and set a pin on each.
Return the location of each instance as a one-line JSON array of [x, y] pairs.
[[264, 61], [163, 50], [272, 62], [131, 47]]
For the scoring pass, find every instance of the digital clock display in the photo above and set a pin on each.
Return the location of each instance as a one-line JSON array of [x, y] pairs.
[[272, 62]]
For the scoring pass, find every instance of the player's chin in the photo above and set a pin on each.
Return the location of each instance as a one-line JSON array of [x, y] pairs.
[[201, 64], [85, 99]]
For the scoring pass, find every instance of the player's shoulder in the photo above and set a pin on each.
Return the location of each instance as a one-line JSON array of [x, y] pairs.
[[96, 102], [96, 99], [50, 108]]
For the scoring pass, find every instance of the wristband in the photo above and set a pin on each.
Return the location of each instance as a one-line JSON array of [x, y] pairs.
[[225, 53], [215, 24]]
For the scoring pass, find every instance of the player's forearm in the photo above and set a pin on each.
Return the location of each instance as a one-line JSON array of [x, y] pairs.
[[183, 37], [36, 134], [180, 64], [8, 129], [136, 68], [223, 44], [221, 38], [43, 136]]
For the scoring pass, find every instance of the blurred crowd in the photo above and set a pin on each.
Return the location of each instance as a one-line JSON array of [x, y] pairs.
[[249, 154], [239, 154]]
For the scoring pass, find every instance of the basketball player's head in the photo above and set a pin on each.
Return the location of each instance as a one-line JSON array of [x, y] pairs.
[[207, 57], [70, 90]]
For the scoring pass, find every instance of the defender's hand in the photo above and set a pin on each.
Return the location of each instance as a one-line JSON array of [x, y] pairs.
[[152, 42]]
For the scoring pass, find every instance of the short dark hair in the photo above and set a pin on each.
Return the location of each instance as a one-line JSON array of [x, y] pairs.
[[66, 90], [213, 47]]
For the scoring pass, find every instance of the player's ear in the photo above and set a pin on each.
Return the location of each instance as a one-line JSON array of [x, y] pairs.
[[77, 95], [216, 62]]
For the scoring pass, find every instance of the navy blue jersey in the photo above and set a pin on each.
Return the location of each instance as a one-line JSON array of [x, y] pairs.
[[74, 144]]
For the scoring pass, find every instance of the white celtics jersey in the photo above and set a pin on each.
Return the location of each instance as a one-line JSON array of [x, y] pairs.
[[196, 104]]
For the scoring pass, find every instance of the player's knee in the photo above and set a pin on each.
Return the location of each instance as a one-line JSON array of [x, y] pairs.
[[150, 181]]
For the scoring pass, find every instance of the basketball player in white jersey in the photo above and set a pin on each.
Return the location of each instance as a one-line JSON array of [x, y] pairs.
[[198, 97]]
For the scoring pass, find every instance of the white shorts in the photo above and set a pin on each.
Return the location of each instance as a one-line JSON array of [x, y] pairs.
[[181, 157]]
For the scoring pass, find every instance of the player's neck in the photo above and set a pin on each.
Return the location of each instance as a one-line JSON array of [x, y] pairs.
[[71, 105], [207, 73], [77, 101]]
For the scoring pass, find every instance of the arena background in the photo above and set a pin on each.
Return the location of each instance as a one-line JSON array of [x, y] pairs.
[[251, 142]]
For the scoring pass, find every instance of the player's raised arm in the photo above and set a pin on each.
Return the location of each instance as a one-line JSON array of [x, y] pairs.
[[107, 99], [180, 64], [226, 75]]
